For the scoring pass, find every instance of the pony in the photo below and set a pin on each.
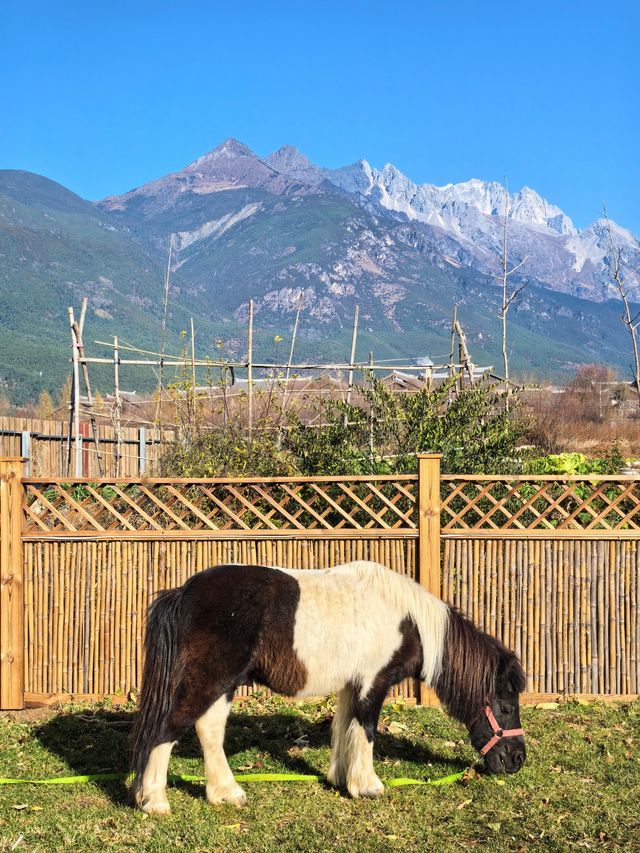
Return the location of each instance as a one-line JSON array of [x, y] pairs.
[[354, 630]]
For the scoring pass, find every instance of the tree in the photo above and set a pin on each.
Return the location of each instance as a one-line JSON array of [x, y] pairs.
[[507, 298], [98, 402], [583, 396], [44, 409], [5, 405], [64, 396], [618, 286]]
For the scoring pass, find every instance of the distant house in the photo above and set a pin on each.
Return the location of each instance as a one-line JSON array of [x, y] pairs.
[[399, 380]]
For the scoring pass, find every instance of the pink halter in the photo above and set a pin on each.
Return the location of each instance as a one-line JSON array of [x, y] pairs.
[[498, 733]]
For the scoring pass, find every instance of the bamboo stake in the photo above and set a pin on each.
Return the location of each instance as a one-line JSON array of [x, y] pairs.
[[163, 335], [352, 358], [250, 366], [117, 404], [288, 373], [77, 463], [371, 414], [79, 328], [193, 359], [452, 348]]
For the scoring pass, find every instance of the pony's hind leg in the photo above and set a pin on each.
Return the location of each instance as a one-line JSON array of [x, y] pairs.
[[152, 794], [221, 786], [186, 707]]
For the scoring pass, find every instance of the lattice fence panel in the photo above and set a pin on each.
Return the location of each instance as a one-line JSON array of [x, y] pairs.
[[500, 504], [201, 505]]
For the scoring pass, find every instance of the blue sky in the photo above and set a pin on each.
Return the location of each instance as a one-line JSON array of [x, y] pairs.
[[104, 96]]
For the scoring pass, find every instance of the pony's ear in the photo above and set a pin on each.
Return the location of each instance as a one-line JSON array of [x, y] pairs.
[[514, 674]]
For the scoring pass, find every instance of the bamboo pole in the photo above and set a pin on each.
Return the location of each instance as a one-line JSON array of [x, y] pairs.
[[352, 358], [117, 404], [288, 373], [452, 347], [163, 334], [250, 366], [193, 359], [372, 414], [178, 361], [77, 455], [79, 330]]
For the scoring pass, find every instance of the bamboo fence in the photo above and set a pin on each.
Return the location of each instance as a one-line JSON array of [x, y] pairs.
[[550, 565]]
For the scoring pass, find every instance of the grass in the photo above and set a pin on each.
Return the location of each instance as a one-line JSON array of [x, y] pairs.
[[579, 789]]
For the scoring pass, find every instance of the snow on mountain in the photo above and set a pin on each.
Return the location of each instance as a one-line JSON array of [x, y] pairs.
[[556, 252], [444, 205]]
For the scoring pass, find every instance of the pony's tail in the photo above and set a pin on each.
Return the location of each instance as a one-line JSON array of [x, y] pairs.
[[161, 652]]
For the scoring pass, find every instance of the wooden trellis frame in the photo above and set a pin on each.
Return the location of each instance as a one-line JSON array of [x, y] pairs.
[[538, 505], [133, 507]]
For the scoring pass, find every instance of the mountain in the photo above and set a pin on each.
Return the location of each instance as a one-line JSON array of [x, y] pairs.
[[466, 223], [244, 227]]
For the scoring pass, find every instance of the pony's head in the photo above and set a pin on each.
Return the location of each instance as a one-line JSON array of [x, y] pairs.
[[496, 732], [480, 683]]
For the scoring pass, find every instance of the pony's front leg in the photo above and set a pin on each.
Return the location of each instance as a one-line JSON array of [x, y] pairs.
[[362, 780], [152, 795], [221, 786], [337, 773]]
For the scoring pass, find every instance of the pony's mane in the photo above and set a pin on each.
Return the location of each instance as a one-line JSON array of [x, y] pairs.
[[471, 663]]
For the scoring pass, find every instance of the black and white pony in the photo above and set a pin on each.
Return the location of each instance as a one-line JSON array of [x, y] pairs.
[[354, 630]]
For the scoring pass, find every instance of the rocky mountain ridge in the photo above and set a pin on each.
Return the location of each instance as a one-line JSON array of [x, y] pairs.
[[463, 223], [472, 214]]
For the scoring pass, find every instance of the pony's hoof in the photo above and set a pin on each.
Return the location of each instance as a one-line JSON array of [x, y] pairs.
[[371, 789], [335, 778], [234, 795], [156, 807]]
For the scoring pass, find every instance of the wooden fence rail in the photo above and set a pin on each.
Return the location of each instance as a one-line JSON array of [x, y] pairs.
[[551, 565]]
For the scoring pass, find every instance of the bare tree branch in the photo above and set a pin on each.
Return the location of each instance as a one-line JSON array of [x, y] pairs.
[[629, 322], [517, 266], [507, 298], [515, 293]]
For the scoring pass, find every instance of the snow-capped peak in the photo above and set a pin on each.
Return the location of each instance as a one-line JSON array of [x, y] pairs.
[[444, 204]]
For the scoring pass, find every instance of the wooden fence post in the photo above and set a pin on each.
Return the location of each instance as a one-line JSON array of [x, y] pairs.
[[142, 451], [11, 585], [429, 572]]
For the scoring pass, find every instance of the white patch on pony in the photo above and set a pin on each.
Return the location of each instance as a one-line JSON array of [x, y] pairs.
[[221, 786], [152, 797], [362, 780], [347, 625]]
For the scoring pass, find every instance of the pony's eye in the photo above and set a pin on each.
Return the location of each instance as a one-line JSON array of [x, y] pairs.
[[506, 709]]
